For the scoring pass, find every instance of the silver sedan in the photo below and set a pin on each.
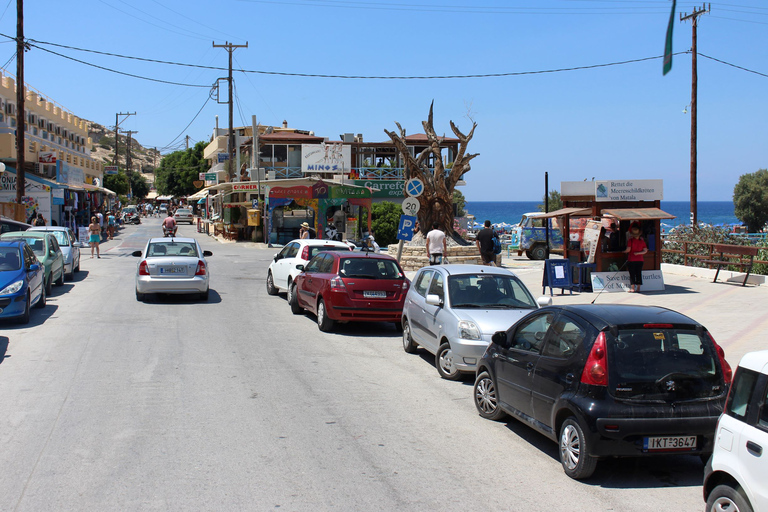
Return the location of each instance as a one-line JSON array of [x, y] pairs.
[[172, 265]]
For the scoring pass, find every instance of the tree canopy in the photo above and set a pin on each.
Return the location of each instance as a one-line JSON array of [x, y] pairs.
[[139, 185], [179, 169], [750, 199], [555, 201], [117, 183]]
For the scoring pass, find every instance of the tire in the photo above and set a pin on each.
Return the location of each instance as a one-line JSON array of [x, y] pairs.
[[77, 268], [293, 300], [324, 323], [41, 303], [60, 280], [444, 363], [49, 286], [140, 296], [271, 290], [486, 398], [726, 498], [204, 295], [408, 345], [24, 318], [538, 252], [574, 452]]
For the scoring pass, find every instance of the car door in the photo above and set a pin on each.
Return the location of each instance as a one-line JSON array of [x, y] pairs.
[[75, 250], [35, 278], [516, 362], [559, 367], [433, 315], [308, 288], [756, 444], [58, 255], [283, 264], [415, 304]]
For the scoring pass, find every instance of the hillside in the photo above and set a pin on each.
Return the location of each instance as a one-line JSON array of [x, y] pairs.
[[103, 149]]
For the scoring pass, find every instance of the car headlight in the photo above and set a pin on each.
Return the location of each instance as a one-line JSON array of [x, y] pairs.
[[12, 288], [468, 330]]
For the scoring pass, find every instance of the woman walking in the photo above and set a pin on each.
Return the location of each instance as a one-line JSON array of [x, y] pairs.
[[95, 236], [636, 250]]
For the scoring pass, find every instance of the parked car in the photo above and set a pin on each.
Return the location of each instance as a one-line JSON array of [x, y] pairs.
[[8, 224], [735, 476], [21, 280], [453, 310], [183, 215], [607, 381], [282, 271], [350, 286], [69, 245], [47, 250], [174, 266]]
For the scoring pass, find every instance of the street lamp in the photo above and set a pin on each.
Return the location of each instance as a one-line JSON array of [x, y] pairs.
[[2, 169]]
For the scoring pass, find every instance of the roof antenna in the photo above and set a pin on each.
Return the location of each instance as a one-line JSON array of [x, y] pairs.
[[609, 280]]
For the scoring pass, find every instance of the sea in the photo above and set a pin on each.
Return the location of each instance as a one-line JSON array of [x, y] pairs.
[[716, 213]]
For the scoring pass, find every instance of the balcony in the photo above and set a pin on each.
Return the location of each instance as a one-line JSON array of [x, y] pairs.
[[280, 173], [378, 173]]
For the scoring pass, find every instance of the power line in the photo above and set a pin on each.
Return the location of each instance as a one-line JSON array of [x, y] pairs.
[[190, 123], [733, 65]]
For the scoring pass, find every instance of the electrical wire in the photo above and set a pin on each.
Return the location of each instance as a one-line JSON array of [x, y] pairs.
[[192, 121], [732, 65], [6, 9]]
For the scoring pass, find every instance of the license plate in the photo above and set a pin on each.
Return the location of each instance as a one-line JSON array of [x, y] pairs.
[[666, 444], [173, 270], [375, 294]]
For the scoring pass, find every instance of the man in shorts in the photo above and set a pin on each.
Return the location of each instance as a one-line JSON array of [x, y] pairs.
[[484, 242], [436, 245]]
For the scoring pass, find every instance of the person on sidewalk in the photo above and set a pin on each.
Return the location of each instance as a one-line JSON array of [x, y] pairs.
[[436, 245], [94, 230], [484, 242], [636, 250], [304, 231]]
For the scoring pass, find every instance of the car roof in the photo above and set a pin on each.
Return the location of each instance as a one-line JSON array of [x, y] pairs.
[[605, 316], [755, 361], [318, 242], [352, 254], [11, 243], [172, 239], [48, 228], [24, 234], [13, 221], [453, 270]]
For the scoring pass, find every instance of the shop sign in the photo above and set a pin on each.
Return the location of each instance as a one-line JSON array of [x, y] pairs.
[[291, 192], [629, 190], [223, 157], [611, 282], [110, 169], [386, 188], [47, 157], [245, 186], [70, 175], [591, 239], [330, 158], [344, 192], [210, 176], [57, 196]]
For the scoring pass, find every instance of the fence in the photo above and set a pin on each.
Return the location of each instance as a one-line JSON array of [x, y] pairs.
[[689, 252], [13, 211]]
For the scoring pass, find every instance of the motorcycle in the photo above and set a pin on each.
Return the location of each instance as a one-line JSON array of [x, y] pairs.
[[170, 232], [131, 218]]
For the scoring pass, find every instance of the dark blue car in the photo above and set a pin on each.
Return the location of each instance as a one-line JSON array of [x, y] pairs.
[[21, 281]]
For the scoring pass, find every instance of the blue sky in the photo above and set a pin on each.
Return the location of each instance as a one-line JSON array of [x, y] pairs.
[[613, 122]]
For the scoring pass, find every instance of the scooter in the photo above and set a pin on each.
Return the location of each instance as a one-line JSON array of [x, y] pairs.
[[131, 218], [170, 232]]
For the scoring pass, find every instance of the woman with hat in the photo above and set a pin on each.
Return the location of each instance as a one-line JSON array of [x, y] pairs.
[[304, 231]]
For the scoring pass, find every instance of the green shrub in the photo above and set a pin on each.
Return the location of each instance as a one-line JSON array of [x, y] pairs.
[[696, 245], [385, 218]]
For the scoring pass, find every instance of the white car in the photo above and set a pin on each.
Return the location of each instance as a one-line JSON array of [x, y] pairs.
[[183, 215], [735, 478], [69, 245], [282, 271], [174, 266]]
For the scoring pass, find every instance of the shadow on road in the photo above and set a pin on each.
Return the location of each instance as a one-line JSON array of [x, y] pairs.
[[193, 298], [36, 317], [3, 348]]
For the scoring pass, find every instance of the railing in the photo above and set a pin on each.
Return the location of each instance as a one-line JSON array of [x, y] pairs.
[[695, 256], [380, 173], [285, 172]]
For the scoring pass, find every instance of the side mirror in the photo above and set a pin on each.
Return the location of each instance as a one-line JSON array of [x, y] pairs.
[[500, 338], [34, 267], [137, 254], [300, 267], [77, 245], [544, 301], [434, 300], [277, 257], [207, 253]]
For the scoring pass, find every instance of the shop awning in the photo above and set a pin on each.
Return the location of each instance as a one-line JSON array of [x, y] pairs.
[[200, 194], [637, 213], [566, 211]]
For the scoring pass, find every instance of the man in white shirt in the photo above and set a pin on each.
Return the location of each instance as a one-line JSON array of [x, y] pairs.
[[436, 245]]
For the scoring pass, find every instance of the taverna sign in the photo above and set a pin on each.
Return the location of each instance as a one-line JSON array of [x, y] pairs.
[[629, 190]]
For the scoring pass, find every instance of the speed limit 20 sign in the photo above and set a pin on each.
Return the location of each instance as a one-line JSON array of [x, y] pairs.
[[411, 206]]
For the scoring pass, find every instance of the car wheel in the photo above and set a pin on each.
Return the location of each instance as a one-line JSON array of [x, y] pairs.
[[24, 318], [271, 290], [408, 344], [574, 452], [204, 295], [140, 296], [444, 363], [538, 252], [49, 285], [60, 280], [41, 303], [293, 300], [77, 268], [323, 322], [725, 498], [486, 399]]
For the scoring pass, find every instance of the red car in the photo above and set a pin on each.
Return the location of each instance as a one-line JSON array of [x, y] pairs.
[[349, 286]]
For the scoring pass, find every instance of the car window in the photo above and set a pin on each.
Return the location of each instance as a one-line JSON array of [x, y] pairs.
[[284, 252], [436, 288], [762, 420], [29, 256], [531, 334], [293, 250], [54, 244], [489, 291], [566, 337], [326, 264], [61, 237], [314, 264], [317, 249], [37, 245], [422, 281], [10, 259], [739, 398], [369, 268], [71, 236], [160, 249]]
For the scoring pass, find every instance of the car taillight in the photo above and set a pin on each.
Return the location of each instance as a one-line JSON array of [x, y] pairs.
[[143, 268], [406, 284], [596, 370], [658, 326], [337, 284], [200, 268], [305, 253], [727, 370]]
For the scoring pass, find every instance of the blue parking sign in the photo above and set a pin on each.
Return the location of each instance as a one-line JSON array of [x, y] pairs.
[[405, 229]]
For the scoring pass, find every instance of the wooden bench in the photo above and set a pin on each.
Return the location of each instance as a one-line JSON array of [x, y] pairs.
[[733, 255]]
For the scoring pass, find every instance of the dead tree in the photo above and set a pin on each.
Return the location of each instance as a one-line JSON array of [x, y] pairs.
[[439, 182]]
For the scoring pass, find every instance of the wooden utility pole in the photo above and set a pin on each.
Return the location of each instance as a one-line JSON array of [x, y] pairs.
[[20, 97], [128, 159], [230, 49], [694, 17], [117, 134]]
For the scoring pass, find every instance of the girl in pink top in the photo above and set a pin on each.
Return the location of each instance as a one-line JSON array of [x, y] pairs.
[[635, 250]]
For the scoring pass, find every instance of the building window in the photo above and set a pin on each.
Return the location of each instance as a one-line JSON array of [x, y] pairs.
[[45, 135], [34, 130]]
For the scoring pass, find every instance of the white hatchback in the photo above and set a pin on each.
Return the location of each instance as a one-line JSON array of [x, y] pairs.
[[282, 271], [735, 476]]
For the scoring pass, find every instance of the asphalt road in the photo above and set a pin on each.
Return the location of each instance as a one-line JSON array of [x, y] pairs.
[[236, 404]]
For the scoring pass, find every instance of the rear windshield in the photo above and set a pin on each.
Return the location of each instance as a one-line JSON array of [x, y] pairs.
[[489, 291], [663, 364], [370, 268], [324, 248], [172, 249], [10, 259], [183, 212]]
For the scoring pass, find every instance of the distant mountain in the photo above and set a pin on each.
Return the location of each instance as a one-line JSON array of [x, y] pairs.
[[103, 149]]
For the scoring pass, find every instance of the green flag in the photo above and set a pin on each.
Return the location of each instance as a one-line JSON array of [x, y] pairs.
[[668, 44]]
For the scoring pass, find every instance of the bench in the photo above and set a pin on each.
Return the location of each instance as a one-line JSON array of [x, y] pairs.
[[733, 255]]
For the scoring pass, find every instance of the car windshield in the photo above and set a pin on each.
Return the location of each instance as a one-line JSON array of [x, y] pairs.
[[10, 258], [129, 209], [370, 268], [172, 248], [61, 237], [324, 248], [662, 364], [489, 291], [37, 245]]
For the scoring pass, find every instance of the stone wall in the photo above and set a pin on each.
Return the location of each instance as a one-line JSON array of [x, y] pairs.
[[414, 257]]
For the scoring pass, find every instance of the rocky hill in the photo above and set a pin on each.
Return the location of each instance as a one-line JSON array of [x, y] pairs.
[[103, 149]]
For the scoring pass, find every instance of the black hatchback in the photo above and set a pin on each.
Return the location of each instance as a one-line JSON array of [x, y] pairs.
[[607, 381]]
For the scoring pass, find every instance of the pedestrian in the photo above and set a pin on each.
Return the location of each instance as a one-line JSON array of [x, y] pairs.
[[484, 242], [40, 220], [304, 231], [100, 218], [370, 245], [636, 250], [95, 236], [111, 223], [436, 245]]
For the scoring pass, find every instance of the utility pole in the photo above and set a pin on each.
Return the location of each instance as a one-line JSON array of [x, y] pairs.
[[694, 17], [20, 97], [117, 134], [186, 139], [230, 49], [128, 159]]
